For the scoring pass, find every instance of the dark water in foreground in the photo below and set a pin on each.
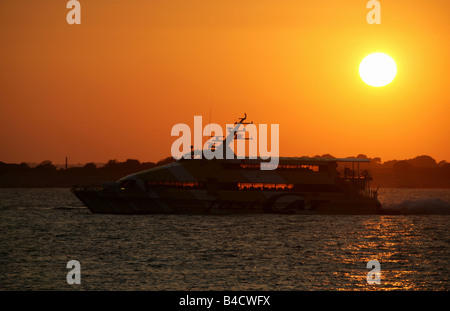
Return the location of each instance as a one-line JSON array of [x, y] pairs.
[[42, 229]]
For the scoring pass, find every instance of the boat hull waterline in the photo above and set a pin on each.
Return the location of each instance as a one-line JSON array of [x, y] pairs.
[[109, 202]]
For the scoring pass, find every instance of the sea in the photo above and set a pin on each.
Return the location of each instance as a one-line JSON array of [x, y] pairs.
[[42, 230]]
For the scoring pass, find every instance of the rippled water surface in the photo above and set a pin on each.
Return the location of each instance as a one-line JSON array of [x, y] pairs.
[[42, 229]]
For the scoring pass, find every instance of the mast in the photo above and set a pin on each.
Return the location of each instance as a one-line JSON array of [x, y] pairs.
[[233, 134]]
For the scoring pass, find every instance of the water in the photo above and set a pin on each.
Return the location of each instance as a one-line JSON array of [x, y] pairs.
[[42, 229]]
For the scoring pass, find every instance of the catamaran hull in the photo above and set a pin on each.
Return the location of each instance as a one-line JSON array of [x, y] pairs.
[[111, 202]]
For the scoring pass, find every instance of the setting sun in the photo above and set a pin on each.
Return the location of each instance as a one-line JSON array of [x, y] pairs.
[[377, 69]]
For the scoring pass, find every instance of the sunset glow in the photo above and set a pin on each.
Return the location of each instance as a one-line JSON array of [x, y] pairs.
[[113, 86]]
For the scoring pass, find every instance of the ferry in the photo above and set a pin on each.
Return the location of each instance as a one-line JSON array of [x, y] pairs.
[[195, 185]]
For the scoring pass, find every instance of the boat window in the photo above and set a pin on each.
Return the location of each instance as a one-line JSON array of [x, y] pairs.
[[257, 166], [252, 166], [240, 186], [299, 167], [127, 184], [264, 186], [174, 184]]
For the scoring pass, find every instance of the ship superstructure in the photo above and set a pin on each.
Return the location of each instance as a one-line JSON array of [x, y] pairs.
[[235, 186]]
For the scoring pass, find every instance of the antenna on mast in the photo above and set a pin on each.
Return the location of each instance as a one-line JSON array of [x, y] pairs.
[[233, 134], [213, 147]]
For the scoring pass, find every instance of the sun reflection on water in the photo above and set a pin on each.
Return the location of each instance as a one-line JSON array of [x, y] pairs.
[[392, 241]]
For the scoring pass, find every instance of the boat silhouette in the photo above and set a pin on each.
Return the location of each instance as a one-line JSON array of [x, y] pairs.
[[195, 185]]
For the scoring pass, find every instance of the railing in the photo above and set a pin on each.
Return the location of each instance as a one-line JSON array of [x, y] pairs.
[[369, 193], [357, 186], [354, 174]]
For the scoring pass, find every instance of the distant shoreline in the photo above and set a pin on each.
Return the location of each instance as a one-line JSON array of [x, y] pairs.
[[69, 187], [422, 172]]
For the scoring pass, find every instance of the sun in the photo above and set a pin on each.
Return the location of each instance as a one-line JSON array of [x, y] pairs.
[[377, 69]]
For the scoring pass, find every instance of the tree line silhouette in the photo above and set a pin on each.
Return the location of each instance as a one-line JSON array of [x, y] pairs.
[[419, 172], [46, 174]]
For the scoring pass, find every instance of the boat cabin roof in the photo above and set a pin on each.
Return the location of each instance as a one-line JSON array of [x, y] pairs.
[[293, 160]]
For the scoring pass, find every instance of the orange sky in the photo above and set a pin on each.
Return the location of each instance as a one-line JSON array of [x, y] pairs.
[[113, 87]]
